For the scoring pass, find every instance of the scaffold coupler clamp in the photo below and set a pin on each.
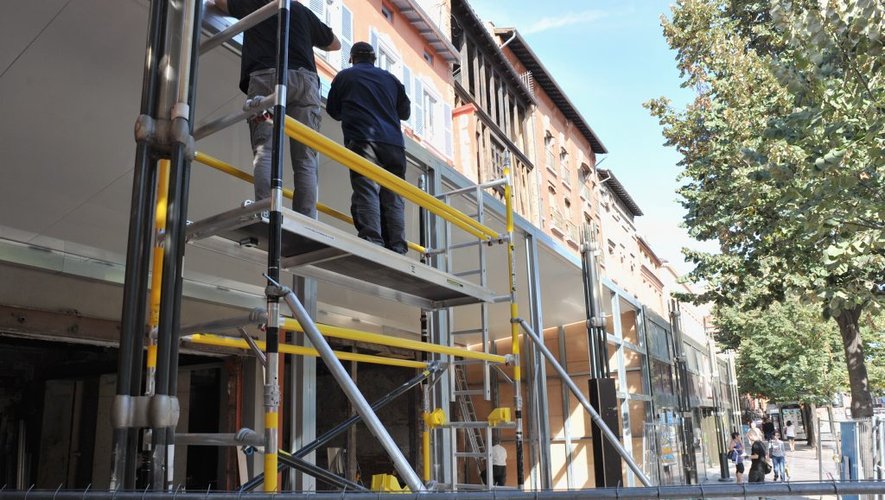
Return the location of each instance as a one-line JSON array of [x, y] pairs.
[[509, 359], [275, 290], [596, 321], [435, 366]]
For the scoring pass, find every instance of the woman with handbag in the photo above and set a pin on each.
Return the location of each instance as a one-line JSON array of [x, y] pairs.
[[737, 456], [760, 466]]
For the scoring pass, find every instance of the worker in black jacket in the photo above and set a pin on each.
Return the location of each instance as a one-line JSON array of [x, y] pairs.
[[370, 102], [258, 78]]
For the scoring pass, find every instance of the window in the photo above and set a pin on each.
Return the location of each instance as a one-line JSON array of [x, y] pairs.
[[387, 13], [431, 117], [428, 102], [564, 167], [346, 36], [407, 83], [386, 60], [387, 57], [548, 150], [340, 19]]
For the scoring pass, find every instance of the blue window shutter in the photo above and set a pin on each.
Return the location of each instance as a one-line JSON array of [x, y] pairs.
[[346, 36], [447, 116], [407, 83], [418, 111]]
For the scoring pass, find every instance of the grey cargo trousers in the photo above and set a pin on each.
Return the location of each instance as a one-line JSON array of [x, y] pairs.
[[303, 104]]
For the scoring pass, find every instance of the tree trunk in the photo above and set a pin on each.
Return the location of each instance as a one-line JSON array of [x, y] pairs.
[[861, 401], [809, 415]]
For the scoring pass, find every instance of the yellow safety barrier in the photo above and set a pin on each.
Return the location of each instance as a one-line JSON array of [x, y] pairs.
[[388, 483], [233, 343], [362, 166], [229, 169], [499, 416], [375, 338]]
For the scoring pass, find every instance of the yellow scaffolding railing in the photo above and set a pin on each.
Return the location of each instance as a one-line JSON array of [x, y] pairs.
[[313, 139], [229, 169], [234, 343], [386, 340]]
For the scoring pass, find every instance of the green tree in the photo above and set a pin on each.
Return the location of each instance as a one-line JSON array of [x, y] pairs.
[[783, 153], [788, 352]]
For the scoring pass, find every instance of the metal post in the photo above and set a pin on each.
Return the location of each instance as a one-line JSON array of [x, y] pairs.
[[432, 370], [352, 392], [566, 379], [820, 457], [566, 415], [238, 27], [540, 380], [137, 252], [272, 386], [514, 328], [176, 105]]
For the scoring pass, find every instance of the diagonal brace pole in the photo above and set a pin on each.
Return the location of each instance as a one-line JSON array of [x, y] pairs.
[[567, 380], [320, 473], [351, 390], [434, 368]]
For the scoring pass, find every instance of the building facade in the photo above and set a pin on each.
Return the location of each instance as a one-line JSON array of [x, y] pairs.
[[482, 101]]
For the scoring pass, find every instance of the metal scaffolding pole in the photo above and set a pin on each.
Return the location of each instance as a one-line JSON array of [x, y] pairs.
[[566, 379], [273, 290], [137, 252], [514, 327], [352, 392], [176, 107], [432, 370], [542, 409]]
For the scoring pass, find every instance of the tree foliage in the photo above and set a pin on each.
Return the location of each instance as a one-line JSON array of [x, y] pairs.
[[783, 150], [788, 352]]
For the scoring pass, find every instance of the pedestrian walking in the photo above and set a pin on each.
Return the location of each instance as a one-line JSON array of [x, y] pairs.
[[370, 102], [790, 434], [759, 466], [258, 78], [737, 456], [767, 428], [777, 450]]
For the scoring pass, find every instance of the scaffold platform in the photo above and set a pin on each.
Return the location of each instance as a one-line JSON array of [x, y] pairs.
[[311, 248]]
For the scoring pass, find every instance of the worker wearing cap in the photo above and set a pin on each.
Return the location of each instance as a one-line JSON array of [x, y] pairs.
[[257, 78], [370, 102]]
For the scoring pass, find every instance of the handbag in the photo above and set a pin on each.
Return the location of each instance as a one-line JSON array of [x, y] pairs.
[[766, 467]]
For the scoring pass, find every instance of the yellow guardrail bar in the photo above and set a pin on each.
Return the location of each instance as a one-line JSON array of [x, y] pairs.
[[234, 343], [376, 338], [362, 166], [229, 169]]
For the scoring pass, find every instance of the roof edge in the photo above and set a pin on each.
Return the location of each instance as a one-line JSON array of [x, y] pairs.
[[554, 88]]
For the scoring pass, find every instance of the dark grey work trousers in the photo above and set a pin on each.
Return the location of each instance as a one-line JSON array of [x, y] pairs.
[[378, 213]]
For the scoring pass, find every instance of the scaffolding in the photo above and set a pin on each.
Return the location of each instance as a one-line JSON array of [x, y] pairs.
[[265, 232]]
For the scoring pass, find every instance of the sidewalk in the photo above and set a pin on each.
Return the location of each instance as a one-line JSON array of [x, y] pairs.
[[802, 465]]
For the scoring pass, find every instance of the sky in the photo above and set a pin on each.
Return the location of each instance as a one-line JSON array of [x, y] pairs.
[[610, 56]]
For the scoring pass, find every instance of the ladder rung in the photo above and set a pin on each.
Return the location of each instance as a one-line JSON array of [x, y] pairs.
[[468, 331], [469, 392]]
